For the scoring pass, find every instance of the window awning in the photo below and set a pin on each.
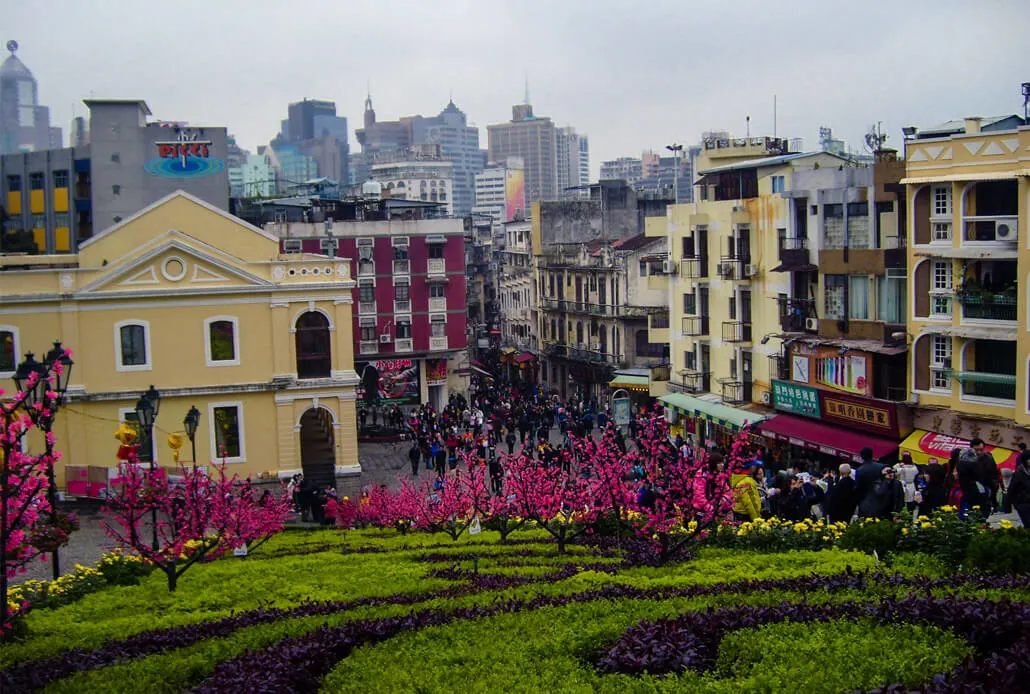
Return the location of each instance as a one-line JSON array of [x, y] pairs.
[[725, 415], [983, 377], [832, 440], [783, 267], [637, 383], [928, 447]]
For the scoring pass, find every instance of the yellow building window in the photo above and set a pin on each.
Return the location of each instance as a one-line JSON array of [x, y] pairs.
[[13, 195], [62, 232]]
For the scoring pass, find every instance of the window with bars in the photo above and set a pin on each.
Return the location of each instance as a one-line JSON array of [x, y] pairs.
[[940, 362], [690, 304], [940, 288], [368, 333], [366, 292], [403, 328], [942, 201], [438, 326], [401, 291], [836, 289]]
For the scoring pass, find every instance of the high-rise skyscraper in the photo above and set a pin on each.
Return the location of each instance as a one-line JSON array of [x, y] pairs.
[[24, 124], [459, 144], [313, 127], [533, 139], [572, 161]]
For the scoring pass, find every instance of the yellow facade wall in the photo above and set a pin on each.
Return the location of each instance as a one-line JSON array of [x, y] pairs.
[[37, 201], [14, 202], [60, 199]]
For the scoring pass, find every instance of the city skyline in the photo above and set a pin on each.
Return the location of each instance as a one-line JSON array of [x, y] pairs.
[[678, 69]]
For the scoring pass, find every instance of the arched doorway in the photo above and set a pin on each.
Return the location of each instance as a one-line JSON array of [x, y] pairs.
[[314, 353], [318, 447]]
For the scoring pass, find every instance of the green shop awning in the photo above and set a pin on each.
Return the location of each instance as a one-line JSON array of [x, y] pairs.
[[716, 412], [637, 383]]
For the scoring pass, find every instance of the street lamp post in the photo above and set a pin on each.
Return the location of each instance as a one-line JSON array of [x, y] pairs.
[[190, 424], [146, 412], [676, 150], [42, 404]]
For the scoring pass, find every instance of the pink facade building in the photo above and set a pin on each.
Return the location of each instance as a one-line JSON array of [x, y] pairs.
[[410, 307]]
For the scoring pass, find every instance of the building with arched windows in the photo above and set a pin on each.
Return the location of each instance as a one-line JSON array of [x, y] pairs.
[[203, 306]]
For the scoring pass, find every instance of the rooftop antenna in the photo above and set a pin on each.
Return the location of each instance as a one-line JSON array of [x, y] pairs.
[[774, 115], [748, 119], [1026, 100], [875, 138], [527, 88]]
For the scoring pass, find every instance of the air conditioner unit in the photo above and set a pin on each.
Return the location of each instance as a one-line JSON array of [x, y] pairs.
[[385, 338], [750, 270], [766, 397], [668, 267], [1005, 229], [811, 324]]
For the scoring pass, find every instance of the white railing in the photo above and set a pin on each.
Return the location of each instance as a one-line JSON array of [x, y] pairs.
[[402, 267], [402, 305], [368, 346], [366, 307], [437, 303], [403, 344], [437, 343], [437, 266], [366, 269]]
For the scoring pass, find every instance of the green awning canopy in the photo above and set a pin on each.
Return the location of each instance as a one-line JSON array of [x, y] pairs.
[[639, 383], [983, 377], [716, 412]]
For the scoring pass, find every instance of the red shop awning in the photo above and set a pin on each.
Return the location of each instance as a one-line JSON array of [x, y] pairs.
[[832, 440], [524, 357]]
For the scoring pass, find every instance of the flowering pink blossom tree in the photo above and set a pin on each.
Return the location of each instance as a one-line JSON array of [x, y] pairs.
[[450, 505], [202, 516], [382, 508], [685, 492], [23, 497]]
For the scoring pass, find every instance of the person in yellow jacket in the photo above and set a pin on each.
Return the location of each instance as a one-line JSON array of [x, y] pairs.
[[745, 490]]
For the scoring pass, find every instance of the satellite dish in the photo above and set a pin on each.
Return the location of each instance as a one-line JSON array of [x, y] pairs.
[[12, 45]]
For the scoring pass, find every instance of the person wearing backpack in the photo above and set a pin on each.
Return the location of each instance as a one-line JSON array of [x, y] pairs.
[[974, 492], [892, 493]]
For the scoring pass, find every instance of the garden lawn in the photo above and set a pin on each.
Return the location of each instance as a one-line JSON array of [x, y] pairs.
[[374, 610]]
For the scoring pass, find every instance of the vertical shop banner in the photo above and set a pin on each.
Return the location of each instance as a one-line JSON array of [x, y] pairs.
[[846, 372], [436, 372], [391, 381], [790, 397], [514, 194]]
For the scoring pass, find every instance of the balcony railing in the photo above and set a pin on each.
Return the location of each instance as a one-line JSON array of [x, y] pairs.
[[695, 267], [437, 344], [694, 325], [798, 315], [894, 255], [794, 251], [982, 228], [366, 268], [402, 267], [403, 344], [779, 367], [368, 346], [692, 381], [402, 305], [730, 268], [437, 266], [732, 390], [437, 303], [736, 331], [983, 306], [366, 307]]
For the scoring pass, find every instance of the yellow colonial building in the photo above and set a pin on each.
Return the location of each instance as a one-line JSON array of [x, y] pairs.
[[200, 304], [969, 262]]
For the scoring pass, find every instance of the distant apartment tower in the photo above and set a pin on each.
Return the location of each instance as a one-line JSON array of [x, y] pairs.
[[458, 142], [500, 191], [533, 139], [79, 135], [24, 124], [313, 127], [572, 161], [624, 168], [421, 173], [235, 160]]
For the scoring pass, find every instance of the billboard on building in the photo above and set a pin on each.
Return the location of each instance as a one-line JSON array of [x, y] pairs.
[[390, 381], [436, 372], [514, 194]]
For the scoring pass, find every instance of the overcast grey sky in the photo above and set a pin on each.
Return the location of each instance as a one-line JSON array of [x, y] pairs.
[[631, 75]]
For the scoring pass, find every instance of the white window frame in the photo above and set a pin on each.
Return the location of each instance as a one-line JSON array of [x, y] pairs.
[[941, 291], [119, 366], [208, 360], [940, 349], [942, 212], [437, 319], [213, 438], [122, 411], [13, 329]]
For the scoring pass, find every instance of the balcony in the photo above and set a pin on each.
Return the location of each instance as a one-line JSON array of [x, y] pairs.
[[692, 326], [437, 303], [986, 306], [658, 328], [366, 268], [695, 267], [403, 344], [779, 367], [1000, 230], [730, 268], [555, 349], [368, 346], [437, 266], [402, 305], [736, 331], [732, 390], [894, 252], [998, 386], [798, 315], [691, 381], [366, 307], [551, 304], [402, 267], [437, 344], [793, 253]]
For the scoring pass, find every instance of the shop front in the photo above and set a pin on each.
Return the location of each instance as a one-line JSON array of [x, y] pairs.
[[636, 385], [708, 423], [825, 427]]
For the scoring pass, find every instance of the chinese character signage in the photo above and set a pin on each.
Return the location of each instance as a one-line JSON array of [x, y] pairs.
[[865, 414], [791, 397]]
